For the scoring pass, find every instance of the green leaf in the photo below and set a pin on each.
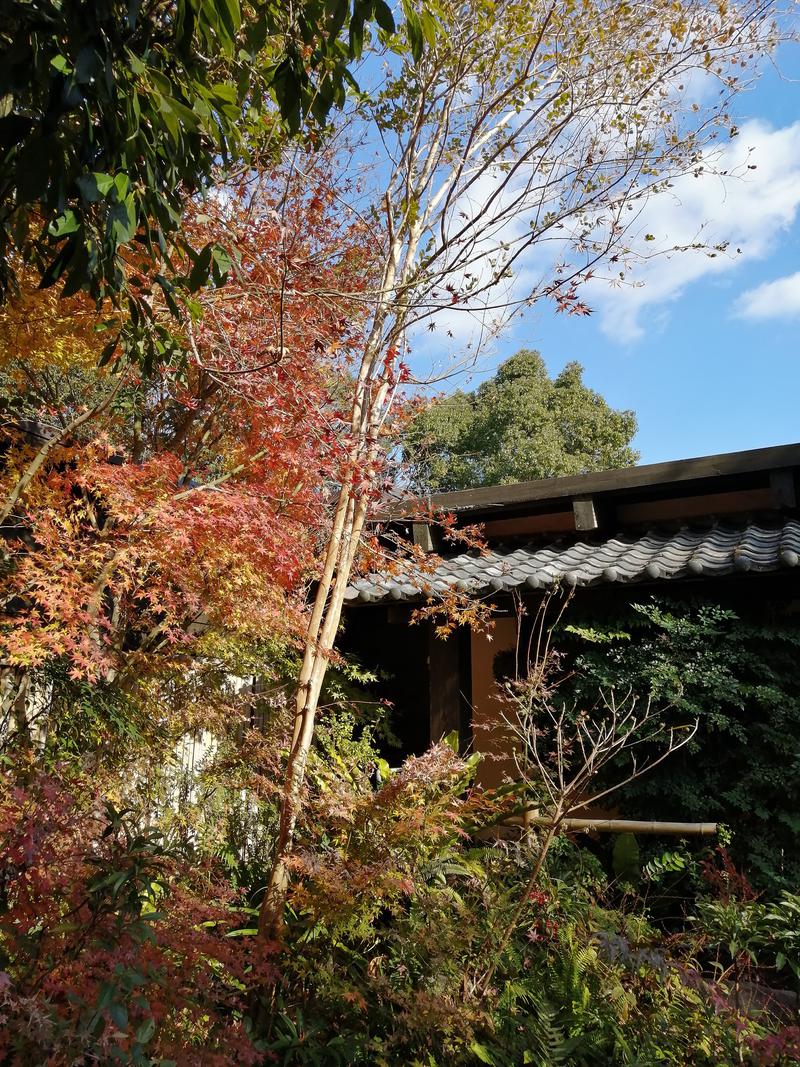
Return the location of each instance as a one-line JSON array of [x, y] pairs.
[[119, 1015], [61, 64], [122, 185], [135, 63], [429, 27], [383, 16], [482, 1052], [106, 993], [337, 14], [356, 30], [223, 91], [221, 264], [414, 31], [232, 15], [286, 86], [198, 275], [77, 269], [183, 113], [64, 224], [121, 221], [146, 1031], [451, 740], [108, 352], [94, 187], [168, 116], [58, 265]]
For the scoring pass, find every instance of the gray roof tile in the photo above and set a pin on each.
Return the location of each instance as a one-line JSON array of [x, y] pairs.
[[659, 554]]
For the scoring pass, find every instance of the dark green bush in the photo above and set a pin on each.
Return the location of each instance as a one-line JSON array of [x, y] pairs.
[[741, 681]]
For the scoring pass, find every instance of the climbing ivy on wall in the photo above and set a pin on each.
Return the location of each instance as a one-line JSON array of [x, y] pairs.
[[741, 679]]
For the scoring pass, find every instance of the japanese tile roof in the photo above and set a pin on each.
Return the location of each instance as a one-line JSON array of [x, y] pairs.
[[689, 552]]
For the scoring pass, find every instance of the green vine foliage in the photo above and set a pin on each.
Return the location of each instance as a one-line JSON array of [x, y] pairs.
[[756, 933], [741, 680]]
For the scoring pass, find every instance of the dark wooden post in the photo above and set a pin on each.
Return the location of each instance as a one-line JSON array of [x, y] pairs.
[[445, 684]]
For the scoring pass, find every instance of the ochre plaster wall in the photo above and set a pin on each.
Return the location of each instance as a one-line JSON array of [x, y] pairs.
[[488, 732], [490, 735]]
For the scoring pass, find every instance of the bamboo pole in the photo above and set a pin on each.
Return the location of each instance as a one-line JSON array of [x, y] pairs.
[[631, 826]]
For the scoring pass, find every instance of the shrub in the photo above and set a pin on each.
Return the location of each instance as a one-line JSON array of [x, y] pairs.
[[398, 913], [113, 947]]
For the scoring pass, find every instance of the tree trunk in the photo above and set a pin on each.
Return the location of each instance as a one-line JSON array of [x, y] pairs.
[[322, 630], [348, 523], [372, 395]]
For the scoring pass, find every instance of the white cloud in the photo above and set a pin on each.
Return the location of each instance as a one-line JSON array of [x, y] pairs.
[[779, 299], [750, 211], [748, 208]]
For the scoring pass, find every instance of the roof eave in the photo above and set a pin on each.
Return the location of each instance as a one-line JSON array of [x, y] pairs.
[[650, 474]]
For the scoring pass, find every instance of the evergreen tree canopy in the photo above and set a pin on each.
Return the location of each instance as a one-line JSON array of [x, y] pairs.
[[519, 425]]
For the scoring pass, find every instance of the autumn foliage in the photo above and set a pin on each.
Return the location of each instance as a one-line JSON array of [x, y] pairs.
[[195, 497], [116, 948], [205, 855]]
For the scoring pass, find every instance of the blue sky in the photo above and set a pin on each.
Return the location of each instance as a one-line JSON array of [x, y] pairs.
[[707, 359]]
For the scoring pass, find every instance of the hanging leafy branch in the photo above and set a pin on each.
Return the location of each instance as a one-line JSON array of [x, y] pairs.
[[113, 113], [135, 506]]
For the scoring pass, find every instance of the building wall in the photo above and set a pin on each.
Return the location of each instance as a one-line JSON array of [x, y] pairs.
[[489, 733]]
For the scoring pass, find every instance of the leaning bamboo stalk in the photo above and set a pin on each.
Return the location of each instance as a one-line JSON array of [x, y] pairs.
[[630, 826]]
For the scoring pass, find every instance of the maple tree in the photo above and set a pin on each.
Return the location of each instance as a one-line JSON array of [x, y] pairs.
[[160, 532], [195, 498], [118, 946]]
